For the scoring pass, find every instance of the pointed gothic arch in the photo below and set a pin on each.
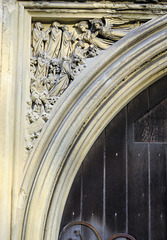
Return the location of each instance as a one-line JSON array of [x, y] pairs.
[[81, 114]]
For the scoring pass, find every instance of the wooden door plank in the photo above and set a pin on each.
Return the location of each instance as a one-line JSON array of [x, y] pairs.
[[158, 166], [157, 92], [137, 108], [72, 210], [92, 193], [116, 175], [138, 211]]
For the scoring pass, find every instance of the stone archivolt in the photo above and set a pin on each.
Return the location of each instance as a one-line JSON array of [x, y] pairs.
[[58, 55]]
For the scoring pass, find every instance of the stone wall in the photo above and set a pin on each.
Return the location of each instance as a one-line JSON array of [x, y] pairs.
[[8, 45]]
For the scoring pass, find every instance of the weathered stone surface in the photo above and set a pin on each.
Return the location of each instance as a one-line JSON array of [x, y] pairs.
[[59, 53], [20, 103], [82, 112], [60, 50]]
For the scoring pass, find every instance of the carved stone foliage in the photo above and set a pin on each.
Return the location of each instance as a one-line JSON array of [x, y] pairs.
[[58, 55]]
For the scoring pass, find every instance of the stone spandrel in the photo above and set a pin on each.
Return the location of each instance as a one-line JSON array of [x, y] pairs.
[[59, 53]]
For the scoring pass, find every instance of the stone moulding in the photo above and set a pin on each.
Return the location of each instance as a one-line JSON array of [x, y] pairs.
[[80, 115]]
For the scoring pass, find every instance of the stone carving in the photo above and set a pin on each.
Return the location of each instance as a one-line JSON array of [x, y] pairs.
[[66, 45], [55, 40], [106, 30], [90, 37], [64, 79], [58, 55], [40, 38]]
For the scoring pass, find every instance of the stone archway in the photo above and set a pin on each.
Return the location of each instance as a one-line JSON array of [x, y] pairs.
[[83, 111]]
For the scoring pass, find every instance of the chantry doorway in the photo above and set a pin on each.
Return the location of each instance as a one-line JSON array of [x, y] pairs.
[[80, 116], [120, 189]]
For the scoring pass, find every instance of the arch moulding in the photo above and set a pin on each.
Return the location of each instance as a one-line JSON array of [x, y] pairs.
[[81, 114]]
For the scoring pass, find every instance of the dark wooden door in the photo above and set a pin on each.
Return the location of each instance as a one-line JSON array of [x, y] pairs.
[[121, 186]]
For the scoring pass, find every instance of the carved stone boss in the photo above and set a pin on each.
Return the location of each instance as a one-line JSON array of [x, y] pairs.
[[58, 55]]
